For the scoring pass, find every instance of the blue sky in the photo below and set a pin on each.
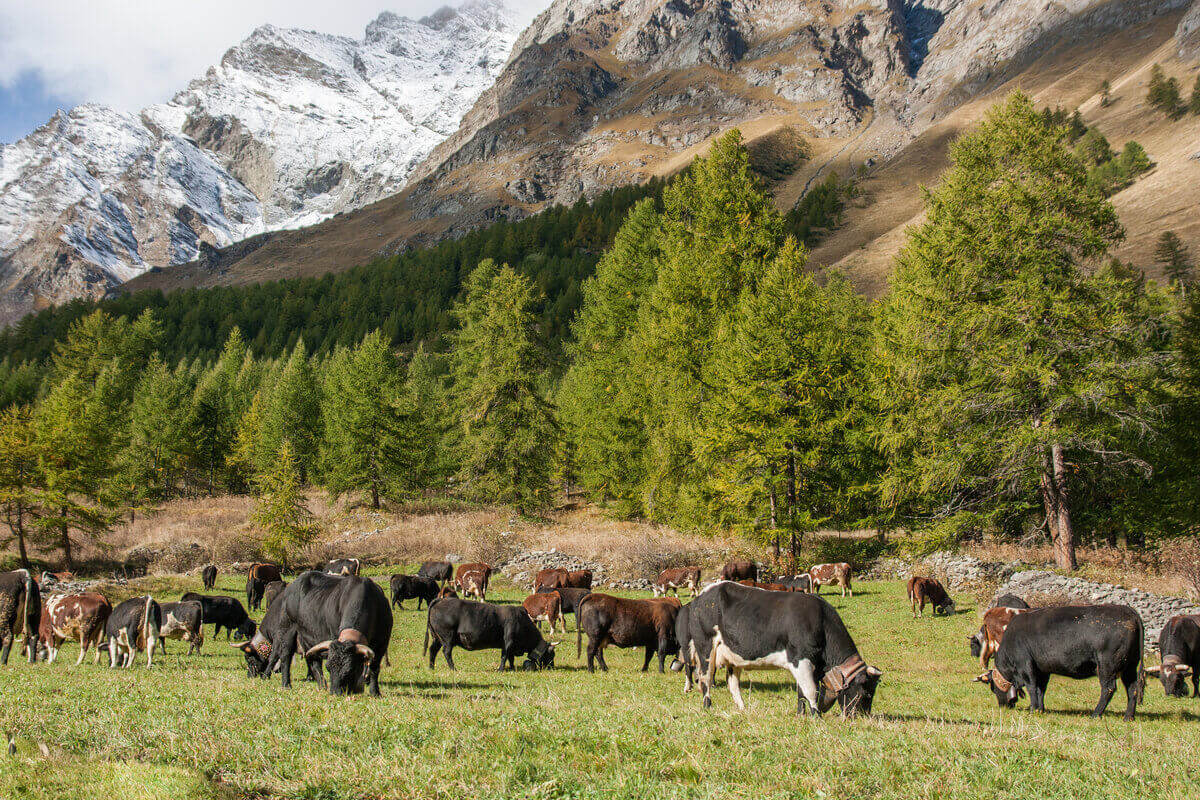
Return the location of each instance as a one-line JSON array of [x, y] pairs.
[[130, 53]]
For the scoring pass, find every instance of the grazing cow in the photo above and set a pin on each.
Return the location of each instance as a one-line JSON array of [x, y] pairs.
[[183, 620], [343, 566], [797, 583], [923, 590], [1179, 646], [986, 641], [440, 571], [549, 579], [1009, 601], [545, 607], [343, 619], [671, 580], [769, 587], [257, 578], [741, 628], [626, 623], [410, 587], [739, 571], [1075, 641], [831, 575], [272, 591], [20, 612], [209, 576], [133, 627], [472, 579], [79, 617], [222, 611], [571, 598], [483, 626]]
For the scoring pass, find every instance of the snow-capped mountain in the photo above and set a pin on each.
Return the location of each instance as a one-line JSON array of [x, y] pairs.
[[290, 128]]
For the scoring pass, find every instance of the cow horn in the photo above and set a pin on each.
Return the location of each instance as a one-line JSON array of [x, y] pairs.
[[1184, 669], [983, 677], [240, 645], [874, 672], [1156, 669], [365, 652], [318, 648]]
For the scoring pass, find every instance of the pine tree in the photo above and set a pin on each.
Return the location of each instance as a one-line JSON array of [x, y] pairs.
[[1003, 363], [1173, 256], [293, 412], [1105, 95], [508, 431], [20, 497], [280, 512], [158, 442], [1194, 100], [1163, 92]]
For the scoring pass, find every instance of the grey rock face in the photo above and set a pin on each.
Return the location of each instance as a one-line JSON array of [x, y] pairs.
[[1188, 33]]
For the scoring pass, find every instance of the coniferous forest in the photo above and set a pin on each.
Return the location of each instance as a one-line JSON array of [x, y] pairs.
[[670, 350]]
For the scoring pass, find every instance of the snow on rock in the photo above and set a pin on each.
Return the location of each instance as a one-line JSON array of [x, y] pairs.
[[290, 128]]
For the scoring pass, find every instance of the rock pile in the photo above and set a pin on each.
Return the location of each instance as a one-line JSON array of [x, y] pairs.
[[1155, 609], [958, 570], [523, 566]]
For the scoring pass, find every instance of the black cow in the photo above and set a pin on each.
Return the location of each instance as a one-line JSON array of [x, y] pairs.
[[1179, 646], [345, 620], [183, 620], [272, 591], [484, 626], [413, 587], [222, 611], [440, 571], [257, 578], [1009, 601], [685, 657], [739, 627], [209, 576], [571, 598], [343, 566], [1075, 641], [133, 626], [797, 583], [20, 612]]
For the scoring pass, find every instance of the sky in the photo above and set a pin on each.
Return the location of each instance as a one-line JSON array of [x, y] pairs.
[[130, 53]]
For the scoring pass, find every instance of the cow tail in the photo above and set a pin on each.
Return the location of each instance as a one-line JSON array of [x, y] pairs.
[[31, 614], [428, 628], [149, 626]]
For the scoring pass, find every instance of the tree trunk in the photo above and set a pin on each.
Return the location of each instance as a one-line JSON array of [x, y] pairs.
[[791, 486], [375, 496], [19, 529], [795, 548], [1058, 513], [776, 548], [66, 545], [774, 504]]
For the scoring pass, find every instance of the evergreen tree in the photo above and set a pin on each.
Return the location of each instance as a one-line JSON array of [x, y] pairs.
[[1163, 92], [1005, 366], [280, 512], [1105, 95], [293, 412], [158, 442], [1173, 256], [508, 430], [20, 497], [1194, 100]]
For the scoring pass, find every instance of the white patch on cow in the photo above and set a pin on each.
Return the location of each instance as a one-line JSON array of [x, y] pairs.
[[724, 656]]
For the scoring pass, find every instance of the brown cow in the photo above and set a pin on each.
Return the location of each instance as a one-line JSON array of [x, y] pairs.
[[472, 579], [670, 580], [923, 590], [770, 587], [626, 623], [986, 641], [550, 578], [79, 617], [739, 571], [257, 578], [831, 575], [446, 591], [545, 607], [579, 579]]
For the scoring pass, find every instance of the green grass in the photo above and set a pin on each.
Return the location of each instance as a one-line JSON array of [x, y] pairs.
[[198, 727]]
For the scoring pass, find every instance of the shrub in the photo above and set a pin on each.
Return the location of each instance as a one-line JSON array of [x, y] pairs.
[[1182, 557]]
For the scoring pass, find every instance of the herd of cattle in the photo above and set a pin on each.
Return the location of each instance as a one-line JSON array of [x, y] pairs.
[[341, 624]]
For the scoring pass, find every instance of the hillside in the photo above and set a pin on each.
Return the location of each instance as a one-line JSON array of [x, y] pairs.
[[598, 94]]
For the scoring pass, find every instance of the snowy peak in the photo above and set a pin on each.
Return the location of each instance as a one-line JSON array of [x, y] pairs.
[[288, 129]]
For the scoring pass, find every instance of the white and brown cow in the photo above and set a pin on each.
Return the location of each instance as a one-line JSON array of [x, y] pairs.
[[672, 580], [545, 607], [183, 620], [986, 641], [78, 617], [831, 575]]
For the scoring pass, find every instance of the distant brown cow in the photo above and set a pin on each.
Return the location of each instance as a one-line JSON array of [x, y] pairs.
[[923, 590], [626, 623], [670, 580], [257, 578], [79, 617], [545, 607], [770, 587], [550, 578], [472, 579], [579, 579], [831, 575], [739, 571], [986, 641]]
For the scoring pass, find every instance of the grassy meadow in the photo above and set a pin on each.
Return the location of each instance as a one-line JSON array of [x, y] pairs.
[[197, 727]]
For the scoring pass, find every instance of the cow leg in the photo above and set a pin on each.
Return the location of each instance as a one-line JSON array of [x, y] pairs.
[[503, 658], [446, 654], [806, 688], [663, 644], [434, 646], [591, 649], [600, 658], [734, 680], [1108, 687], [4, 650], [373, 676], [649, 658]]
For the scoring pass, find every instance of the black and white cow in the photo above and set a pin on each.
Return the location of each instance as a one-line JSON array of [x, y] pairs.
[[484, 626], [1077, 642], [183, 620], [343, 566], [20, 612], [133, 627], [1179, 646], [344, 620], [222, 611], [744, 628]]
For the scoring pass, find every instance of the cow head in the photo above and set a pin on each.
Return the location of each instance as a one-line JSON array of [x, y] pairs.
[[346, 662], [247, 629], [976, 640], [1173, 676], [1006, 692], [947, 608], [258, 652], [540, 657], [852, 684]]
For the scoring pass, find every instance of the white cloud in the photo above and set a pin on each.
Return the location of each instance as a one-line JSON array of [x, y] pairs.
[[130, 53]]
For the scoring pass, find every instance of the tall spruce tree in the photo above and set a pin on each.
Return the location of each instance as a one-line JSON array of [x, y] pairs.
[[507, 427], [293, 412], [1172, 255], [20, 495], [1004, 364], [280, 512], [154, 459]]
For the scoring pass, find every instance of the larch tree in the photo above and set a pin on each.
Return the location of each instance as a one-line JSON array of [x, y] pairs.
[[20, 495], [1005, 363]]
